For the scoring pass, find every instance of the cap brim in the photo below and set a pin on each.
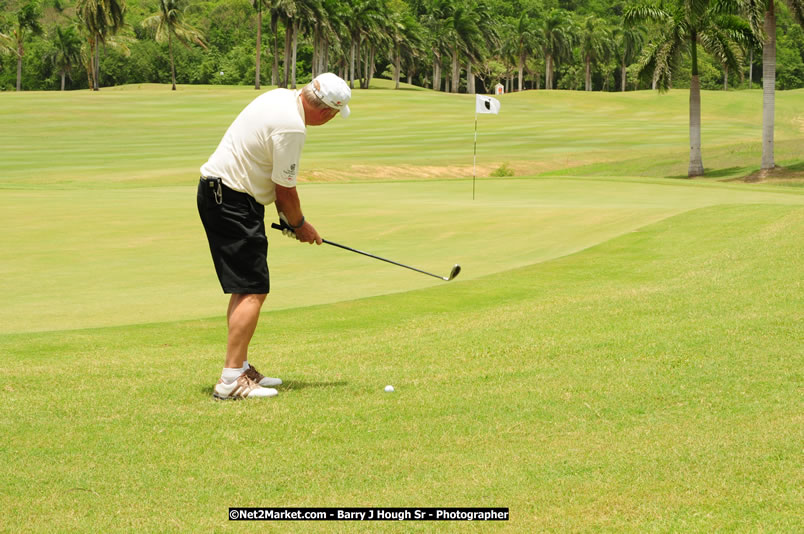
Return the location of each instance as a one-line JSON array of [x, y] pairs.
[[345, 112]]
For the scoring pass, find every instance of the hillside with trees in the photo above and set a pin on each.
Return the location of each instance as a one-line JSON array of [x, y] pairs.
[[447, 45]]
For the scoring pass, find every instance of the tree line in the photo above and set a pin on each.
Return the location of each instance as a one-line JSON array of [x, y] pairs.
[[447, 45]]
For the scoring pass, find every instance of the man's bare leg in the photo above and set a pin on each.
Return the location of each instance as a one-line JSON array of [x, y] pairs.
[[242, 317]]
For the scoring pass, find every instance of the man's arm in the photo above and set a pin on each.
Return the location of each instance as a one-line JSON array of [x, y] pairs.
[[287, 202]]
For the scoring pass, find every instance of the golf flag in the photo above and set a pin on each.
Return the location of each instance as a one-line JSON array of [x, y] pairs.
[[483, 104], [486, 104]]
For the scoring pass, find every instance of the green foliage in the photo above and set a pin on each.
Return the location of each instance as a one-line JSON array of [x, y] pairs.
[[789, 61], [502, 36], [502, 171]]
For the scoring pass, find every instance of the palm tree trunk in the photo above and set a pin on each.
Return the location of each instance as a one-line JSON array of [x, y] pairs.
[[447, 78], [397, 66], [97, 64], [286, 65], [725, 78], [588, 73], [90, 64], [352, 65], [696, 161], [275, 67], [361, 64], [316, 60], [370, 65], [768, 88], [325, 54], [62, 80], [293, 60], [456, 71], [751, 69], [437, 72], [623, 76], [470, 79], [259, 46], [521, 70], [19, 66], [172, 66]]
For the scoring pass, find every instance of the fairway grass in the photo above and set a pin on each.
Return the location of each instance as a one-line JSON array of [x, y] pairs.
[[147, 135], [650, 383]]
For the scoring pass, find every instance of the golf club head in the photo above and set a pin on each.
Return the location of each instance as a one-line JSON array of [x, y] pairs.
[[455, 271]]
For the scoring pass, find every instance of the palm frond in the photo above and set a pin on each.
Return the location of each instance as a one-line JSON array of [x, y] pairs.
[[645, 13]]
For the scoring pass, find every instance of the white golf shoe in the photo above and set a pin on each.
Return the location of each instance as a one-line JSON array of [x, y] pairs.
[[242, 388], [264, 381]]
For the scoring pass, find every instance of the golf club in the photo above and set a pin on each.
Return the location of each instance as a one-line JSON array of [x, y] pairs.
[[453, 273]]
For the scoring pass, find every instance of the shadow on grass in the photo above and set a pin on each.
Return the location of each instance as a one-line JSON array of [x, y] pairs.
[[710, 173], [797, 167], [299, 384], [291, 385]]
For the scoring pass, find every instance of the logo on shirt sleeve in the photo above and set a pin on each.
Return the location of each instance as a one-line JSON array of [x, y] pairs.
[[290, 173]]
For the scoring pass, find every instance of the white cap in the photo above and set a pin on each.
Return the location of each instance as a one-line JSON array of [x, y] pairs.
[[333, 91]]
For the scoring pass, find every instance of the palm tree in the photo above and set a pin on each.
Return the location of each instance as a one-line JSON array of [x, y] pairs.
[[686, 24], [435, 20], [558, 38], [257, 4], [407, 40], [527, 39], [769, 69], [465, 37], [595, 44], [489, 25], [326, 28], [26, 20], [66, 52], [731, 36], [281, 10], [168, 23], [100, 19], [6, 44], [309, 13], [363, 20], [629, 42]]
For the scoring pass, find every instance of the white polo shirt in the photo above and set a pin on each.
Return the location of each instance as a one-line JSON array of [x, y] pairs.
[[262, 147]]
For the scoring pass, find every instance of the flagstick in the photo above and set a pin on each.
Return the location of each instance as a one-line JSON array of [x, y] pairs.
[[474, 160]]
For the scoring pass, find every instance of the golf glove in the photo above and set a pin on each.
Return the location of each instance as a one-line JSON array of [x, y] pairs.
[[286, 229]]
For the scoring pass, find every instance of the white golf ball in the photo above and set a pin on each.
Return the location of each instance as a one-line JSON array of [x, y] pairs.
[[389, 389]]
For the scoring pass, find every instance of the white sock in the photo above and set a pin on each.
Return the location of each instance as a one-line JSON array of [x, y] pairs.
[[230, 375], [245, 366]]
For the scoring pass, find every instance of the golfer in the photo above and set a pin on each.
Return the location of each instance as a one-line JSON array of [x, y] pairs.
[[256, 164]]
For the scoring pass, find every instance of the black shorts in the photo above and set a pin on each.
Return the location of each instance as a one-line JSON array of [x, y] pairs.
[[235, 227]]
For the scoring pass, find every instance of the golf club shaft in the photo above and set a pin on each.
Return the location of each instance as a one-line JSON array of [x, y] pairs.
[[278, 227]]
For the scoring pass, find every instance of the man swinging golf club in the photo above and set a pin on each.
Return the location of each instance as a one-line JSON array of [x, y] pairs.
[[256, 164]]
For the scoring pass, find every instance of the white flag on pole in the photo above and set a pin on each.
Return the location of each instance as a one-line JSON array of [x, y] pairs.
[[486, 104]]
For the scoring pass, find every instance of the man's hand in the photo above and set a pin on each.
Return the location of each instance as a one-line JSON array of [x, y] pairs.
[[308, 234]]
